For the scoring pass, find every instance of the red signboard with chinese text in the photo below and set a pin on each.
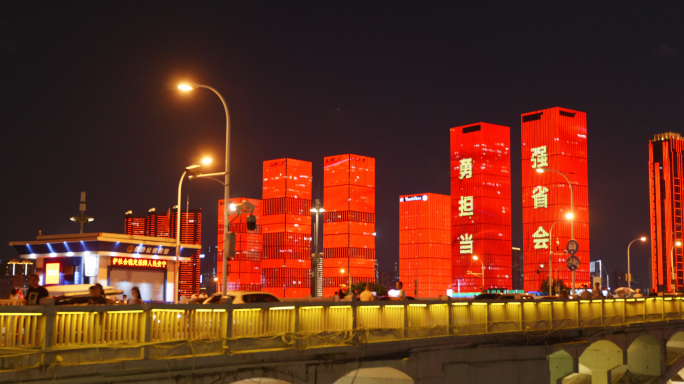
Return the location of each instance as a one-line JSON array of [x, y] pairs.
[[141, 263]]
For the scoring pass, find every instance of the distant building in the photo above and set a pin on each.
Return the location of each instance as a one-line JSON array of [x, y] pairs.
[[517, 264], [665, 174], [618, 279]]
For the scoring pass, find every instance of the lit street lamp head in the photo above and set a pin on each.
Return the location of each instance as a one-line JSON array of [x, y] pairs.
[[569, 216], [643, 238], [679, 243], [206, 160], [185, 87], [540, 170], [474, 257]]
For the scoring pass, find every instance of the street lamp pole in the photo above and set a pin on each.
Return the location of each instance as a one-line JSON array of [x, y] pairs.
[[673, 278], [629, 272], [572, 211], [483, 273], [226, 191], [316, 257]]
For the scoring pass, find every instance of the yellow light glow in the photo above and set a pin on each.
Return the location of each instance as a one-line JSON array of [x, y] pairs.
[[679, 243], [569, 216], [643, 238], [280, 308], [341, 270], [206, 160], [474, 257], [185, 87], [539, 170], [52, 273]]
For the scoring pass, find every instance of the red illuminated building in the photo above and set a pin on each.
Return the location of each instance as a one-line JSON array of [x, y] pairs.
[[480, 207], [425, 244], [349, 221], [244, 271], [286, 228], [666, 173], [556, 139], [165, 226]]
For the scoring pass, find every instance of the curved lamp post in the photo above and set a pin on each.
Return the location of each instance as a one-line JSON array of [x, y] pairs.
[[568, 216], [226, 191], [478, 259], [673, 278], [629, 273], [572, 210], [176, 295]]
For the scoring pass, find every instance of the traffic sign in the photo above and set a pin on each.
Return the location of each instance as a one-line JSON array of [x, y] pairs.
[[572, 247], [573, 263]]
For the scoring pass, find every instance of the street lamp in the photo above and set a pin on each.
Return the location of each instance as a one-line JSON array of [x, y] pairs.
[[226, 190], [568, 216], [572, 210], [483, 284], [629, 273], [316, 257], [190, 168], [673, 278]]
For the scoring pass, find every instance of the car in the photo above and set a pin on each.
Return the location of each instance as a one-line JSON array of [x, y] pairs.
[[243, 297], [79, 294], [516, 297], [487, 296]]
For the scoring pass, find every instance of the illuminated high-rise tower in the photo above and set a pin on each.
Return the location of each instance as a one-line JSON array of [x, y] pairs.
[[425, 244], [286, 228], [191, 233], [555, 139], [349, 221], [481, 206], [666, 176], [244, 271]]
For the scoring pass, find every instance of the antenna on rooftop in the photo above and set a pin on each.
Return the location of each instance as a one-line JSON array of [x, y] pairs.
[[82, 218]]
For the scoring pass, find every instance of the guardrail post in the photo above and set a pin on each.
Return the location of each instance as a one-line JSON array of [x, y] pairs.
[[148, 332], [296, 326], [49, 318], [603, 311], [404, 332], [662, 308], [450, 316]]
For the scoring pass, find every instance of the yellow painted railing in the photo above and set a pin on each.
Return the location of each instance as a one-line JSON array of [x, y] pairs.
[[305, 324]]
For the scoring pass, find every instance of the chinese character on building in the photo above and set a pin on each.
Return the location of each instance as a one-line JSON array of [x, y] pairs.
[[466, 244], [539, 158], [465, 206], [466, 167], [541, 239], [541, 199]]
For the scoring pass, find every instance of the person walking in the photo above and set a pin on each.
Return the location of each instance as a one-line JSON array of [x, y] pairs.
[[400, 288], [35, 291], [135, 296], [96, 297], [367, 294], [336, 297], [596, 293]]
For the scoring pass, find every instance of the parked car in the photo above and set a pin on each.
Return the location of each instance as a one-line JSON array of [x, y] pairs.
[[79, 294], [487, 296], [523, 296], [243, 297]]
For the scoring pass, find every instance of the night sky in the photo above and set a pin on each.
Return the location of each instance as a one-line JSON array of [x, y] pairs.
[[88, 101]]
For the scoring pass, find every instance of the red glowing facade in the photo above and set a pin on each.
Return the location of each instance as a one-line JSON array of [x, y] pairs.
[[165, 226], [286, 228], [425, 244], [554, 138], [480, 207], [666, 176], [349, 221], [191, 233], [244, 271]]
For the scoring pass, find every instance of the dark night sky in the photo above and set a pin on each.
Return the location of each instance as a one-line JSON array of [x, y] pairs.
[[88, 100]]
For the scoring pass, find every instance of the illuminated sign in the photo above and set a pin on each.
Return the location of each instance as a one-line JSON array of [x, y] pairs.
[[465, 206], [539, 157], [91, 265], [466, 169], [541, 199], [413, 198], [158, 250], [51, 273], [144, 263]]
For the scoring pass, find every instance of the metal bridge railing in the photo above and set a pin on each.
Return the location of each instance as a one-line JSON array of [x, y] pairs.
[[220, 327]]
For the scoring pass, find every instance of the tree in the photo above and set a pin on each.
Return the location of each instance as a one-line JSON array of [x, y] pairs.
[[544, 287]]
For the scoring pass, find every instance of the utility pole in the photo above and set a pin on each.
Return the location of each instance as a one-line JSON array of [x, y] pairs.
[[82, 218]]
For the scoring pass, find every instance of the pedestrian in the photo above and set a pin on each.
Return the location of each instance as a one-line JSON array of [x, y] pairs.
[[35, 291], [13, 294], [336, 297], [367, 294], [342, 293], [96, 297], [124, 300], [564, 295], [400, 288], [596, 293], [585, 295], [135, 296]]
